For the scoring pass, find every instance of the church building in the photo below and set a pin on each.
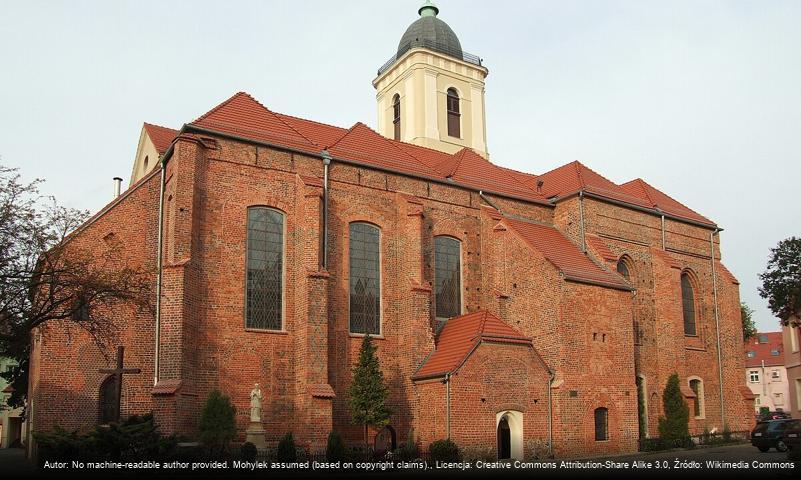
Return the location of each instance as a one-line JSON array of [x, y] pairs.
[[524, 313]]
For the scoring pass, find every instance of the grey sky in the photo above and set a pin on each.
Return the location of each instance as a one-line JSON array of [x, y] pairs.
[[700, 98]]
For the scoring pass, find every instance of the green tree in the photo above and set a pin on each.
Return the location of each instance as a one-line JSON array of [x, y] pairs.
[[674, 426], [367, 395], [217, 422], [781, 281], [749, 327]]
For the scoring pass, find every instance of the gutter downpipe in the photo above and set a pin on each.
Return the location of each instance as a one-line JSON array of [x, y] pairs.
[[159, 244], [550, 414], [663, 232], [717, 326], [448, 405], [326, 162], [581, 222]]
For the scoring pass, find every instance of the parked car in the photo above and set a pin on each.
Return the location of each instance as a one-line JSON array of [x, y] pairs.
[[792, 438], [777, 415], [770, 434]]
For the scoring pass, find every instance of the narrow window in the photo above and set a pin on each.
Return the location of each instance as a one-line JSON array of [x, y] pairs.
[[447, 277], [81, 312], [601, 424], [108, 400], [265, 267], [396, 116], [688, 304], [623, 269], [365, 279], [453, 114], [697, 387]]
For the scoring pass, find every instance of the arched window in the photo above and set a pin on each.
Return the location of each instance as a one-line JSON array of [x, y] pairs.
[[601, 424], [623, 267], [145, 163], [396, 116], [697, 386], [447, 277], [453, 114], [642, 405], [265, 269], [688, 304], [108, 400], [365, 279]]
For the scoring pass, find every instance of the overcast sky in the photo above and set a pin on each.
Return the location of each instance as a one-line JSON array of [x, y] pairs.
[[700, 98]]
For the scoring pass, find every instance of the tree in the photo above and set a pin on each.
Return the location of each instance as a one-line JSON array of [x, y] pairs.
[[46, 277], [749, 327], [217, 422], [367, 395], [781, 281], [674, 426]]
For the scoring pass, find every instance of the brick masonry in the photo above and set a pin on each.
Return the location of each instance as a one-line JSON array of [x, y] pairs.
[[584, 334]]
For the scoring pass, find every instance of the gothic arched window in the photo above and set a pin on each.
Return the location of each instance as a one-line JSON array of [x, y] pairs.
[[453, 114], [601, 424], [688, 304], [396, 116], [108, 400], [623, 267], [365, 279], [265, 269], [447, 277], [697, 386]]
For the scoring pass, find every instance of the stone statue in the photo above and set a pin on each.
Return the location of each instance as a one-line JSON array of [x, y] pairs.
[[255, 403]]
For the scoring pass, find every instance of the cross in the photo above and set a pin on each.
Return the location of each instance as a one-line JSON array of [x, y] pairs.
[[118, 373]]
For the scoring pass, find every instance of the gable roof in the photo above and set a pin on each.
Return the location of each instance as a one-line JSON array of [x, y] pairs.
[[460, 337], [566, 256], [762, 350], [653, 197], [161, 137]]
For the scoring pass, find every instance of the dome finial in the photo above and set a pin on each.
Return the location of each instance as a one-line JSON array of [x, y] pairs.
[[428, 9]]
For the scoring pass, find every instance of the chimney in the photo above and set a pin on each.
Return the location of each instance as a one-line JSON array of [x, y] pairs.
[[117, 186]]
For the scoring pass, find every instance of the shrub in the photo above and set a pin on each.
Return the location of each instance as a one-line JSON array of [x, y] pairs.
[[248, 452], [444, 451], [674, 426], [335, 448], [726, 434], [286, 451], [407, 451], [217, 423]]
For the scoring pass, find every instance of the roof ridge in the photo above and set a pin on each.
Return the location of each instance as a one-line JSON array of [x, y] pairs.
[[352, 127], [386, 140], [308, 120], [577, 166], [159, 126], [643, 184], [224, 103]]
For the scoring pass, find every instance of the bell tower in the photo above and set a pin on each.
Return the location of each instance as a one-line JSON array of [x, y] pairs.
[[431, 92]]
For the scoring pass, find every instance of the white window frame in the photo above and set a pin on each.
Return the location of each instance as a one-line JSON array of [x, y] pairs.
[[753, 376]]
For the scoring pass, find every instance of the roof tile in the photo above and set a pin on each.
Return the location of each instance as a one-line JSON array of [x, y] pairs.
[[161, 137]]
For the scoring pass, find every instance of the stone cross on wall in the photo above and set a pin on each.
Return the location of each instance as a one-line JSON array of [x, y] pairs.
[[117, 374]]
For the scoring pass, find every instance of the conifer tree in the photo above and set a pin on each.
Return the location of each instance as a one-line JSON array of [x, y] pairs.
[[367, 395], [674, 426]]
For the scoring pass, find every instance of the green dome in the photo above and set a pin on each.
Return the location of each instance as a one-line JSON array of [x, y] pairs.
[[428, 31]]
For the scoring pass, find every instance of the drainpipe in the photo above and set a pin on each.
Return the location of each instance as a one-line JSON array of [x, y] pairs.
[[581, 222], [489, 202], [550, 414], [663, 232], [159, 243], [448, 405], [717, 325], [326, 162]]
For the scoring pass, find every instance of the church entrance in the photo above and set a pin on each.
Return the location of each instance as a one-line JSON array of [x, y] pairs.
[[504, 439], [385, 440]]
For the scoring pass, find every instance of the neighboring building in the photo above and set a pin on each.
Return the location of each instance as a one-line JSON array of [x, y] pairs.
[[513, 311], [765, 374], [12, 426], [792, 361]]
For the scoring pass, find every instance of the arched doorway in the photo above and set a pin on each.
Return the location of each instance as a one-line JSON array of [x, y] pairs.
[[108, 400], [385, 440], [504, 439]]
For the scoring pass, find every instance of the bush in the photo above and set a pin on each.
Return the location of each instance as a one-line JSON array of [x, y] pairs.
[[335, 448], [726, 434], [217, 423], [674, 426], [407, 451], [248, 452], [444, 451], [286, 451]]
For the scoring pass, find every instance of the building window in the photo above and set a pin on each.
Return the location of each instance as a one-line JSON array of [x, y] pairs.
[[108, 401], [688, 304], [265, 269], [365, 279], [750, 354], [774, 352], [447, 277], [453, 114], [778, 399], [601, 424], [81, 312], [763, 338], [396, 116], [145, 163], [697, 386], [753, 376], [775, 375], [623, 268]]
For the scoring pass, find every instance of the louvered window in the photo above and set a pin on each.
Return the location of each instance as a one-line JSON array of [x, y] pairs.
[[447, 277], [365, 279], [265, 266], [688, 304], [454, 129]]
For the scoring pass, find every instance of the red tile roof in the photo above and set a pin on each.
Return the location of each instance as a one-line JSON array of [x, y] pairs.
[[243, 116], [601, 248], [321, 390], [460, 336], [161, 137], [565, 255], [762, 350]]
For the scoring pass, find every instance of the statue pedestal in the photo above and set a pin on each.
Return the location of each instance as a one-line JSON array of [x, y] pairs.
[[255, 435]]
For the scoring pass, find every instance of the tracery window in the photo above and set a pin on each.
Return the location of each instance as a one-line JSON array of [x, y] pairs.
[[447, 277], [365, 279], [265, 268]]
